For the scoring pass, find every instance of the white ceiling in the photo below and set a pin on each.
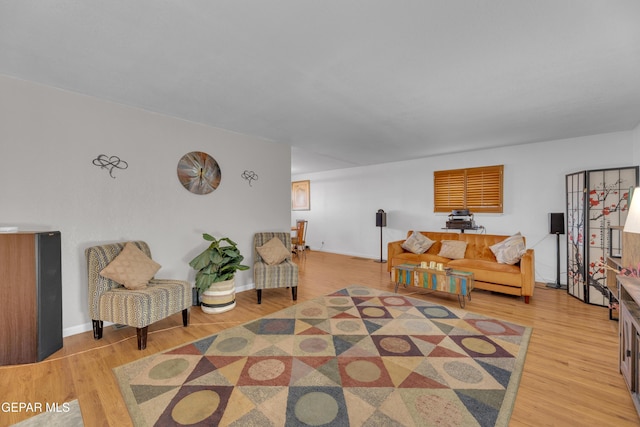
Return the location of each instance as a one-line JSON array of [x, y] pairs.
[[345, 82]]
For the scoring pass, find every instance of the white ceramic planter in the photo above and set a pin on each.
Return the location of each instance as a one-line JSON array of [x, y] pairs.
[[220, 297]]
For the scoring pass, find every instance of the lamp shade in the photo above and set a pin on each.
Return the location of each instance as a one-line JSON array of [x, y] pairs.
[[632, 224]]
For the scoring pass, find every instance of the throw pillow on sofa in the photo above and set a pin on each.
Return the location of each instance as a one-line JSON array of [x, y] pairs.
[[510, 250], [453, 249], [417, 243]]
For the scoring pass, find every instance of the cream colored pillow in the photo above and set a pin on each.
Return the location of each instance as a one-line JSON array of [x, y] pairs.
[[417, 243], [131, 268], [453, 249], [510, 250], [273, 252]]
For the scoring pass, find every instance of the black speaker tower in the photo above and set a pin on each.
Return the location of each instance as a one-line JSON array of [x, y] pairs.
[[381, 221], [556, 226]]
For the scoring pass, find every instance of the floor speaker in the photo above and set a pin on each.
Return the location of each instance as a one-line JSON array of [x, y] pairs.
[[556, 226], [31, 283], [49, 293], [556, 223]]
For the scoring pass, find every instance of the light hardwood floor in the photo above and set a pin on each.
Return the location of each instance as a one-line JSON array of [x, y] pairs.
[[570, 378]]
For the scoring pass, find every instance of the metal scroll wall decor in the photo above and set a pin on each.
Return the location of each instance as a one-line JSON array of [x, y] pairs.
[[596, 201], [249, 176], [110, 163]]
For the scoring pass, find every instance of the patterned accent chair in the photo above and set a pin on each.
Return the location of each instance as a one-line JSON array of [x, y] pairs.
[[110, 301], [283, 275]]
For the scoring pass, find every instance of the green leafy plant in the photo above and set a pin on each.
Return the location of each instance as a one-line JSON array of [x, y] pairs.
[[217, 263]]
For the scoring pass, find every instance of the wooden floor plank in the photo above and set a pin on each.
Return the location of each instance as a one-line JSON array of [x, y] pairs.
[[570, 377]]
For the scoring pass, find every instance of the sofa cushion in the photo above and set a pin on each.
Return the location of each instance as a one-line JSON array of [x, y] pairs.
[[273, 252], [489, 271], [510, 250], [131, 268], [417, 243], [453, 249]]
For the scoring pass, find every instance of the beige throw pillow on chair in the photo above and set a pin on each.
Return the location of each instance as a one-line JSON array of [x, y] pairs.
[[274, 251], [131, 268]]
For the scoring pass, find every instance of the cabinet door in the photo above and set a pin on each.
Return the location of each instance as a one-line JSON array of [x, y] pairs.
[[627, 347], [636, 364]]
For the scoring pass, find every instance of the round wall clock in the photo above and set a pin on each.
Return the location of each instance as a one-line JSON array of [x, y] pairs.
[[199, 173]]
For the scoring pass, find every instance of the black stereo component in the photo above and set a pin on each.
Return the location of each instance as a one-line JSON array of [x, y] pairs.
[[459, 224], [461, 219]]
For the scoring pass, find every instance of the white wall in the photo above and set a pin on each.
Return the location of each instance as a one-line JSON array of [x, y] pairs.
[[344, 202], [48, 182], [636, 144]]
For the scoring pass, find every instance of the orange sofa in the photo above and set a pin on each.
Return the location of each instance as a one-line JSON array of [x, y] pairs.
[[517, 279]]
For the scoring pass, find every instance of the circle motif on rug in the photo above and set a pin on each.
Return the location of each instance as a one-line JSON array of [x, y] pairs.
[[232, 344], [373, 312], [395, 345], [394, 301], [348, 325], [195, 407], [311, 311], [266, 370], [490, 327], [479, 346], [438, 411], [168, 369], [436, 312], [363, 371], [360, 292], [463, 372], [316, 408], [339, 301], [313, 345]]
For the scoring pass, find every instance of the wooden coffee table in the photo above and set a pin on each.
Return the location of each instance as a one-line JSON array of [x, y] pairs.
[[451, 281]]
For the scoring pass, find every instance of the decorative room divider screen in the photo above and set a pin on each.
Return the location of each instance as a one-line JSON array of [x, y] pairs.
[[596, 201]]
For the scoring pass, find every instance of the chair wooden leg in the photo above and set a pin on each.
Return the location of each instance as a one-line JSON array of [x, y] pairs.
[[259, 296], [185, 316], [294, 292], [142, 337], [97, 329]]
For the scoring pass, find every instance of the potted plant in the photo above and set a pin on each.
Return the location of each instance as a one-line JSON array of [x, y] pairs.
[[215, 269]]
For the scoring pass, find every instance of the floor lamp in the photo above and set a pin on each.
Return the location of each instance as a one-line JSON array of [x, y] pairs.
[[556, 226], [381, 221]]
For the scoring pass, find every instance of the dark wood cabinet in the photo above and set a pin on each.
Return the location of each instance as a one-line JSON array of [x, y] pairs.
[[629, 298], [31, 289]]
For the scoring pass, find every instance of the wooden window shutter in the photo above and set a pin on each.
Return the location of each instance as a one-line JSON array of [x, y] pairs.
[[476, 189], [448, 190], [484, 189]]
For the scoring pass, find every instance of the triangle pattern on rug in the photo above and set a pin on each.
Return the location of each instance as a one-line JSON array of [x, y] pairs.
[[356, 357]]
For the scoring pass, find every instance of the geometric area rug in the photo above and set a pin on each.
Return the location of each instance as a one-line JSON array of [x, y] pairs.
[[356, 357]]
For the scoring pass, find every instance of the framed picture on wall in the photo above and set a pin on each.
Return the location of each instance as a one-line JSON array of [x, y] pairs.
[[300, 196]]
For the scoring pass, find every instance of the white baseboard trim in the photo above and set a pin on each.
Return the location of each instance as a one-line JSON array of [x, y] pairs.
[[81, 329]]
